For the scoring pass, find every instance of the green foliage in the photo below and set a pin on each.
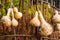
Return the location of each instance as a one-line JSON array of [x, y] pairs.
[[8, 4], [2, 12], [49, 14], [16, 2], [31, 9]]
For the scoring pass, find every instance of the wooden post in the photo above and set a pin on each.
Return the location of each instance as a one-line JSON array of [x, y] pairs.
[[52, 10], [54, 3], [14, 32], [47, 9], [0, 6], [32, 2], [42, 6], [23, 13]]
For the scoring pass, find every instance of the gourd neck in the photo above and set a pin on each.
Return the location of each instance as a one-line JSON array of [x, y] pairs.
[[12, 14], [41, 17], [36, 14], [8, 12]]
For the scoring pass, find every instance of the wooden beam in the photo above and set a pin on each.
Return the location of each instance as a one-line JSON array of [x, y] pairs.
[[22, 35]]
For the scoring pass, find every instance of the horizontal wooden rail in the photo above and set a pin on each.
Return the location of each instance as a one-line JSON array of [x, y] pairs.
[[21, 35], [48, 38]]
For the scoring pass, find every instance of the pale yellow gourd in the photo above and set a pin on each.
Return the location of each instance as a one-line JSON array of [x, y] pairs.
[[46, 29], [18, 15], [56, 17], [35, 21], [6, 19], [14, 21]]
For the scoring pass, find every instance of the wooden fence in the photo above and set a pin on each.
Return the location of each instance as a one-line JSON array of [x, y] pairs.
[[24, 31]]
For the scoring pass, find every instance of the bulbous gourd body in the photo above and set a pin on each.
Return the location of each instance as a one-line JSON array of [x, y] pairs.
[[46, 29], [18, 15], [35, 21], [7, 22], [56, 18], [14, 22], [6, 19]]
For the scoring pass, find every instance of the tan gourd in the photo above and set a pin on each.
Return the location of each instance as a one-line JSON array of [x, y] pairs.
[[58, 26], [6, 19], [35, 21], [14, 21], [46, 29], [56, 17], [18, 15]]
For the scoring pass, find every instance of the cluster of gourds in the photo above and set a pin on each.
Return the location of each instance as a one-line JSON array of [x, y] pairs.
[[6, 20], [38, 20], [46, 29]]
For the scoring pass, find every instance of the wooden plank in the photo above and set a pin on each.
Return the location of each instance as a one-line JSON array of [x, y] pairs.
[[22, 35]]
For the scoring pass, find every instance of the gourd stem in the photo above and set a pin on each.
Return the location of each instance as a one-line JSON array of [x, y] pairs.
[[36, 14], [8, 11], [12, 15]]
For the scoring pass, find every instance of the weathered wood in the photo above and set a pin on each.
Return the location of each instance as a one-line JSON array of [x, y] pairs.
[[16, 35]]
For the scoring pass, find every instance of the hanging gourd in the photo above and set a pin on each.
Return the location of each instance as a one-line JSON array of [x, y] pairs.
[[35, 21], [14, 21], [46, 29], [6, 19], [17, 14], [56, 17]]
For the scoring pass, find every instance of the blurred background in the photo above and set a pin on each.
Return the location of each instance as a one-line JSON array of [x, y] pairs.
[[25, 31]]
